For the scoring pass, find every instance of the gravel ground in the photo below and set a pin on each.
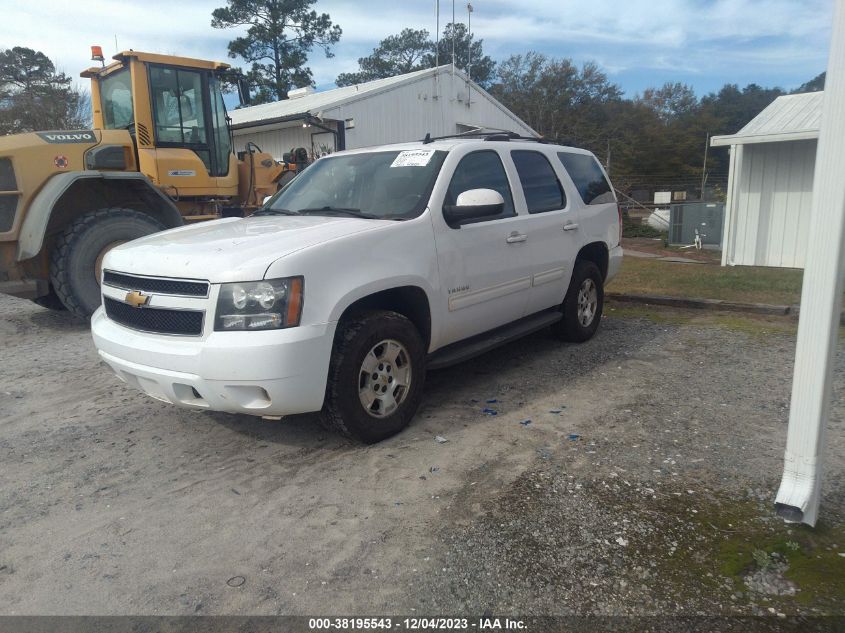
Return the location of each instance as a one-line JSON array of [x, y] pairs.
[[642, 484]]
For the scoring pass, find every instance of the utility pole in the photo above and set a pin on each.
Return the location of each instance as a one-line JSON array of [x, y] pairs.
[[821, 301], [704, 166]]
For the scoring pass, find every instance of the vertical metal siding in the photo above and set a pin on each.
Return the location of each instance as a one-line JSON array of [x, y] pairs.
[[409, 112], [770, 204], [405, 113]]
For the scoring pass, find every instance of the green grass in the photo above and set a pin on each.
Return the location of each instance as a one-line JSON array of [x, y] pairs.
[[729, 537], [781, 286], [811, 553]]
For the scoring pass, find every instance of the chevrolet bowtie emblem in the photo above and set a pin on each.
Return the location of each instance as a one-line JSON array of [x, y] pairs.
[[137, 299]]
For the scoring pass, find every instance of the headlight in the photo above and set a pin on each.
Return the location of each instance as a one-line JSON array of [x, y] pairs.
[[271, 304]]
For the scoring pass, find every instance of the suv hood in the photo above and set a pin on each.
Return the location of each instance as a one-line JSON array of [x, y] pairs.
[[231, 249]]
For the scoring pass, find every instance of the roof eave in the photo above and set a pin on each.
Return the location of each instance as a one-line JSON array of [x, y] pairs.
[[271, 121], [750, 139]]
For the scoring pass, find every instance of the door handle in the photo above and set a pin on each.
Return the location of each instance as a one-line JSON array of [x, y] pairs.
[[515, 237], [571, 226]]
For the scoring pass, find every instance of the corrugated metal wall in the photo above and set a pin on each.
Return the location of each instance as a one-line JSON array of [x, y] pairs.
[[404, 113], [408, 112], [769, 206], [282, 139]]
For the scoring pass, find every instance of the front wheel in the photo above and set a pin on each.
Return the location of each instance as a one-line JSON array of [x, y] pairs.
[[582, 307], [376, 376], [77, 256]]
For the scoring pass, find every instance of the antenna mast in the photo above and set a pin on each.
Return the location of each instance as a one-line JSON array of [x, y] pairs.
[[453, 38], [436, 49], [437, 33]]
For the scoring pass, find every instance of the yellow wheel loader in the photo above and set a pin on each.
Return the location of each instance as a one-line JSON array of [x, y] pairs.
[[160, 155]]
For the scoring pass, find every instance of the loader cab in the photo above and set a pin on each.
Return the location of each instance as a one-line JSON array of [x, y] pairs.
[[173, 109]]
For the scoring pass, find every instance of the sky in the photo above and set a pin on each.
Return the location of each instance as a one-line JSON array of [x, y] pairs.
[[639, 43]]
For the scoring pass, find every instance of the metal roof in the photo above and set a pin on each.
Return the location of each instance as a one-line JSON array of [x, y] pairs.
[[319, 101], [787, 118]]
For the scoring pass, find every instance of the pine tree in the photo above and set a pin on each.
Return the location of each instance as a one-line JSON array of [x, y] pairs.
[[280, 35]]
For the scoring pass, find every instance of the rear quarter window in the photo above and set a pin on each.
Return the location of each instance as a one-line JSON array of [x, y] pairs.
[[588, 177]]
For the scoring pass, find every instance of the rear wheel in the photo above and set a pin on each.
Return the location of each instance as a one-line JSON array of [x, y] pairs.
[[376, 376], [76, 260], [582, 307]]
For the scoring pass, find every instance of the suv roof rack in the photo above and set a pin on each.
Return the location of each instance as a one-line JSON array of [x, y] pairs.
[[485, 135]]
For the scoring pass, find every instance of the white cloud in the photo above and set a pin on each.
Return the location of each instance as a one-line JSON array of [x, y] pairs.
[[683, 36]]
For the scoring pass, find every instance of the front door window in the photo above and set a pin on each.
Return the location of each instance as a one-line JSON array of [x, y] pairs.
[[179, 112]]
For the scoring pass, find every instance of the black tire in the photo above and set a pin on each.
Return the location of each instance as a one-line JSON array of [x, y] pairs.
[[50, 301], [343, 410], [74, 256], [570, 328]]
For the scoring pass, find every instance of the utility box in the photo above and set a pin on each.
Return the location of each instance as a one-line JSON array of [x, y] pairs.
[[706, 217]]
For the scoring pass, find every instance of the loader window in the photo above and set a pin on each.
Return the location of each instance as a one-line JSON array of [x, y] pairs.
[[222, 140], [177, 98], [116, 95]]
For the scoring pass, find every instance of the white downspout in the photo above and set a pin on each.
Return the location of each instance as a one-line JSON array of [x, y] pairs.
[[821, 301], [730, 205]]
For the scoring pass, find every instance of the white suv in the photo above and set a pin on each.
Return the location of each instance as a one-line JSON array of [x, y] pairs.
[[367, 269]]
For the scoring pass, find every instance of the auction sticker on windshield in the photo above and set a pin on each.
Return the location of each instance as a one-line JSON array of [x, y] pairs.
[[413, 158]]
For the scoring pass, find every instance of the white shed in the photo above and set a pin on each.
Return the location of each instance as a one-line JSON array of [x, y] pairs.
[[404, 108], [770, 184]]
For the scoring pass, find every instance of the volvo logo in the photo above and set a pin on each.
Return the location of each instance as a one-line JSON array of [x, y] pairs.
[[137, 299]]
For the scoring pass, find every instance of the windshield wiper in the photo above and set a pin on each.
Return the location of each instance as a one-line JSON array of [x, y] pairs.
[[271, 211], [355, 213]]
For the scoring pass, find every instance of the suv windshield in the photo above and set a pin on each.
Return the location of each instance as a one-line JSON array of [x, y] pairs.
[[384, 185]]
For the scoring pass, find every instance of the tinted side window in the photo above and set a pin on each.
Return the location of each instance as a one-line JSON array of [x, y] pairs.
[[588, 177], [539, 182], [481, 170]]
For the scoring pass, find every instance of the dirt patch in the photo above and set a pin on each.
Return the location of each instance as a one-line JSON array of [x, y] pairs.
[[111, 502]]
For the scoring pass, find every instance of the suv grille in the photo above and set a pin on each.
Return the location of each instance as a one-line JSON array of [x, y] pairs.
[[158, 320], [160, 285]]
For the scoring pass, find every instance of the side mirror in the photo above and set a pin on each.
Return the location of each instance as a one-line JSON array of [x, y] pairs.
[[472, 205], [243, 91]]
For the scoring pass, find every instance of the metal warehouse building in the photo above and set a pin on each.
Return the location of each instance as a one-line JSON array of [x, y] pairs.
[[770, 185], [403, 108]]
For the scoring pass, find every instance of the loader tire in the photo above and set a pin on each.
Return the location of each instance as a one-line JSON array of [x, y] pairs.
[[50, 301], [79, 249]]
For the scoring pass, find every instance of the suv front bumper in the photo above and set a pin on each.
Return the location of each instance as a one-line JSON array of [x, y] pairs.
[[271, 372]]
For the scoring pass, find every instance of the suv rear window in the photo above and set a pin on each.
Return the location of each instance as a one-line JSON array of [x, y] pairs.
[[539, 182], [588, 177]]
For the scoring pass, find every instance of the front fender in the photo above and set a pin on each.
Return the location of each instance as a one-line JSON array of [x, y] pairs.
[[35, 224]]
